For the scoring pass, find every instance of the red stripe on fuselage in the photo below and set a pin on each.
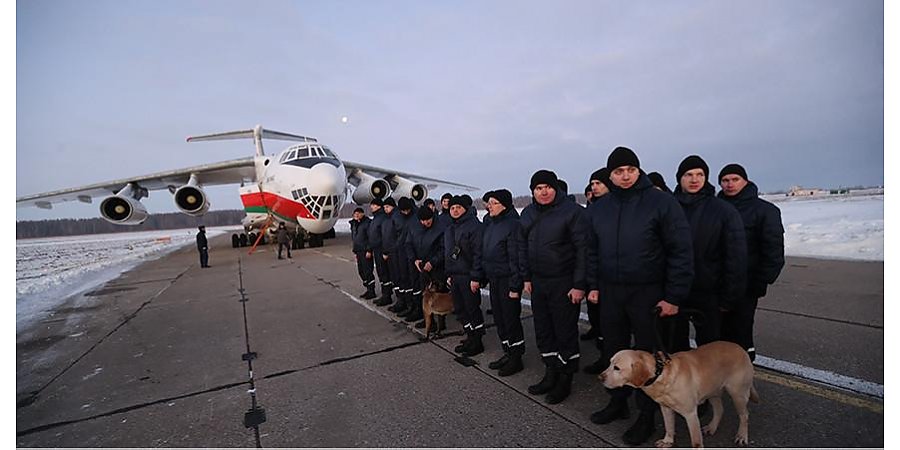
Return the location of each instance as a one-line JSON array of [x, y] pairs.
[[276, 203]]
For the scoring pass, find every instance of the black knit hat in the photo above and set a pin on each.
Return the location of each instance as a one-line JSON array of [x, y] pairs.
[[358, 210], [462, 200], [377, 202], [690, 163], [503, 196], [486, 196], [544, 177], [601, 175], [735, 169], [390, 201], [428, 201], [657, 179], [563, 186], [446, 195], [425, 214], [622, 156], [405, 203], [588, 189]]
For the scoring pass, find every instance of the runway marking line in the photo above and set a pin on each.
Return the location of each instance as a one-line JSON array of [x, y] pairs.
[[782, 368]]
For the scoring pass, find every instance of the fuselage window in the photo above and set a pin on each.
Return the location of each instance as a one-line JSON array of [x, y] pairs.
[[296, 195], [326, 214]]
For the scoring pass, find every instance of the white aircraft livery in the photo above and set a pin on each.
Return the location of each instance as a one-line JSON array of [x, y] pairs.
[[304, 186]]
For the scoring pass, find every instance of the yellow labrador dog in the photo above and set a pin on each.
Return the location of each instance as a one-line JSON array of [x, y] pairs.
[[685, 381]]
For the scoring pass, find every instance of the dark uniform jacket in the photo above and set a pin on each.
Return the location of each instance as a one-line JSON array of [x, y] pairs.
[[282, 236], [641, 237], [201, 240], [378, 220], [765, 238], [719, 243], [394, 231], [427, 245], [444, 218], [359, 231], [462, 245], [553, 241], [500, 249]]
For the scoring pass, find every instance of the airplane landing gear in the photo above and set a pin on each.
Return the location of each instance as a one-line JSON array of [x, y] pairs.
[[316, 240]]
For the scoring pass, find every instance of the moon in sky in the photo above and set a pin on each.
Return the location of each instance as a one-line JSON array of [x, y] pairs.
[[345, 119]]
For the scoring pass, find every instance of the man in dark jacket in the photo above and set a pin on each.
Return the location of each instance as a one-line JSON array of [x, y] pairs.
[[444, 217], [720, 254], [283, 237], [388, 248], [500, 266], [553, 245], [462, 255], [641, 259], [765, 251], [203, 247], [359, 232], [375, 244], [425, 245], [399, 261], [599, 187]]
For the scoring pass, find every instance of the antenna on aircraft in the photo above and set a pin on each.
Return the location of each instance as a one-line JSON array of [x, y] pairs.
[[257, 134]]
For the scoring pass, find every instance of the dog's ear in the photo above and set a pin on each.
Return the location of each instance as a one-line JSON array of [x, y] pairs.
[[639, 373]]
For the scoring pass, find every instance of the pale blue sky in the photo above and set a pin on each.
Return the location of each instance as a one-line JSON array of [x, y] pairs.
[[483, 93]]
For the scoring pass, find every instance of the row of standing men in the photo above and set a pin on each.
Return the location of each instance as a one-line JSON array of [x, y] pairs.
[[637, 253]]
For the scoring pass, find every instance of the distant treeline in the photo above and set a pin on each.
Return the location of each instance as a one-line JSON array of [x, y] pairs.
[[165, 221], [168, 221]]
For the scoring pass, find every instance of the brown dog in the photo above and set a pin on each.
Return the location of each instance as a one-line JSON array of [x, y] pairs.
[[687, 380], [437, 303]]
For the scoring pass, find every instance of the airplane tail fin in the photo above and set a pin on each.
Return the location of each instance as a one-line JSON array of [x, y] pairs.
[[257, 134]]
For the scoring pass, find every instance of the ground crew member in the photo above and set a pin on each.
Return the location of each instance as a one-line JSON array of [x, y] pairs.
[[500, 264], [426, 246], [283, 237], [720, 254], [462, 255], [203, 247], [641, 259], [375, 244], [388, 246], [359, 232], [587, 195], [553, 245], [444, 216], [765, 251], [659, 182], [599, 185]]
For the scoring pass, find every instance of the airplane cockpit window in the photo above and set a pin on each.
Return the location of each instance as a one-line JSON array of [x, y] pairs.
[[303, 152], [293, 153], [328, 152]]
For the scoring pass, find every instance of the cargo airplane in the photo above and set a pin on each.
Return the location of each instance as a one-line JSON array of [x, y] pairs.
[[304, 186]]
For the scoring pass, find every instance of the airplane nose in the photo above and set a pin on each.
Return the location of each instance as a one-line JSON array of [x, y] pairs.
[[325, 178]]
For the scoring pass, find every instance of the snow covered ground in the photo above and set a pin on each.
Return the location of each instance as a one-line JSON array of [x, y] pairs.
[[50, 270]]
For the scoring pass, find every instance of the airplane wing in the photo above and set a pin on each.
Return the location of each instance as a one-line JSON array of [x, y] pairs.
[[381, 173], [225, 172]]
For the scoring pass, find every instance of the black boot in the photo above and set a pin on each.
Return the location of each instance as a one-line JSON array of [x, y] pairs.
[[597, 366], [416, 314], [562, 389], [551, 375], [370, 293], [616, 409], [494, 365], [474, 346], [462, 344], [385, 299], [642, 429], [512, 366], [400, 304]]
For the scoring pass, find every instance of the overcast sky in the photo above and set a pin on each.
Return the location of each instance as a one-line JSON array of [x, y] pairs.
[[483, 93]]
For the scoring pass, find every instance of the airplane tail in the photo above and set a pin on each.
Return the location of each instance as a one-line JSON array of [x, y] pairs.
[[257, 134]]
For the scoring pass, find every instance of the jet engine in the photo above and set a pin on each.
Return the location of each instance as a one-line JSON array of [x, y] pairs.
[[368, 187], [407, 188], [190, 198], [123, 210]]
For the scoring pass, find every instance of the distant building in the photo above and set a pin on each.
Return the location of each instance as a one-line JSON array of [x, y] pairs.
[[799, 191]]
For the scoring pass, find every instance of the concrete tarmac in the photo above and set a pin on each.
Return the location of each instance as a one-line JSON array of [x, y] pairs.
[[154, 358]]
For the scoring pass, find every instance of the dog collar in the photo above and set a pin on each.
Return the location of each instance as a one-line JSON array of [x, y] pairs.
[[662, 360]]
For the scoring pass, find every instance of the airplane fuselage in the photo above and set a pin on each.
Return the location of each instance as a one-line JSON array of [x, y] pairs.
[[304, 186]]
